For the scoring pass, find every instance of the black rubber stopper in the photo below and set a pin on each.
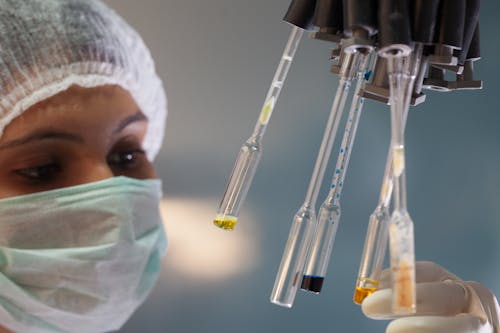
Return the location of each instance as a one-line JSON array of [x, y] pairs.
[[394, 22], [360, 14], [475, 45], [451, 23], [328, 14], [300, 13], [424, 20], [471, 22], [312, 283]]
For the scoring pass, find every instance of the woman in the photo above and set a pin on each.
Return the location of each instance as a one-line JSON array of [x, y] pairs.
[[82, 115]]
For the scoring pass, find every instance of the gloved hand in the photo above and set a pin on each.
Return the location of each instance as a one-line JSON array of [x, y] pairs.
[[445, 304]]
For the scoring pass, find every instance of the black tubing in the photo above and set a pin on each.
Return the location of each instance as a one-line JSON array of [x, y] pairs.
[[328, 15], [300, 13], [471, 21], [475, 46], [424, 20], [394, 23], [452, 21], [360, 14]]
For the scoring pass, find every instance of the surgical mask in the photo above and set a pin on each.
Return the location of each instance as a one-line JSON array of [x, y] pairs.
[[79, 259]]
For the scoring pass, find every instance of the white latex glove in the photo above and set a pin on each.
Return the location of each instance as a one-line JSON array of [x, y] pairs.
[[445, 304]]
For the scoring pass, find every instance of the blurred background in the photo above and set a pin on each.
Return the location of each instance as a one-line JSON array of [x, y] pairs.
[[217, 59]]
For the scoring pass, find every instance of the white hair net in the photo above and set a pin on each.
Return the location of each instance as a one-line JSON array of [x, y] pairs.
[[48, 45]]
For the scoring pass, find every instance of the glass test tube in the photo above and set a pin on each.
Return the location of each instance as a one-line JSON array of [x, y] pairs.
[[291, 268], [251, 151], [372, 259], [329, 213], [401, 226]]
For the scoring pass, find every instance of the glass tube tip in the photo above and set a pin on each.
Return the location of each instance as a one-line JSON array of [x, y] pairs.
[[283, 304], [364, 288], [226, 222], [361, 293]]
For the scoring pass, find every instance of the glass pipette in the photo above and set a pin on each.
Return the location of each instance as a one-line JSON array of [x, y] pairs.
[[329, 213], [401, 226], [291, 268], [372, 259], [251, 151]]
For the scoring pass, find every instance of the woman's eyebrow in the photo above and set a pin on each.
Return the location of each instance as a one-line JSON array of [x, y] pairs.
[[52, 134], [139, 116], [42, 135]]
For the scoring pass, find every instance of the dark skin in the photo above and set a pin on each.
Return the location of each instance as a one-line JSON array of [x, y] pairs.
[[78, 136]]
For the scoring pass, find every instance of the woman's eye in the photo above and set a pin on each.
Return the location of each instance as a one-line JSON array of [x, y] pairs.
[[39, 173], [126, 159]]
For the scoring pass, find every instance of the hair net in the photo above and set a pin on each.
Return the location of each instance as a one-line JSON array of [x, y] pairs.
[[48, 45]]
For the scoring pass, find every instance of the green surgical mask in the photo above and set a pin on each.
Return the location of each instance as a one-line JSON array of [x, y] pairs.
[[79, 259]]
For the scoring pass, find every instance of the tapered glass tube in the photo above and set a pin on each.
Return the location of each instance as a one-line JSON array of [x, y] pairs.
[[372, 259], [401, 233], [291, 268], [374, 249], [251, 151], [329, 213], [373, 254]]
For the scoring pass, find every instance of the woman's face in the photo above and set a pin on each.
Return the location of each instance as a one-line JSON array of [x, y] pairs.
[[78, 136]]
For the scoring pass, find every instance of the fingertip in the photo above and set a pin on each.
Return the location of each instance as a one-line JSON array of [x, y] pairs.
[[397, 326], [378, 305], [463, 323], [410, 324]]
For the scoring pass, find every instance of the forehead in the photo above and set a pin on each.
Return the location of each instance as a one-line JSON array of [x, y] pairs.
[[76, 107], [76, 97]]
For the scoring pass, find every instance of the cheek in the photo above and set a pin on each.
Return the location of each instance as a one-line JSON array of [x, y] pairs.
[[152, 172], [148, 171], [145, 170]]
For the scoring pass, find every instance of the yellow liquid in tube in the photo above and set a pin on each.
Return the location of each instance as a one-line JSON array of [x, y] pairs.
[[226, 222], [398, 160], [267, 111], [368, 288]]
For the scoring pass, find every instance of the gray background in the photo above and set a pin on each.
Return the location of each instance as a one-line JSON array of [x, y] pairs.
[[217, 59]]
